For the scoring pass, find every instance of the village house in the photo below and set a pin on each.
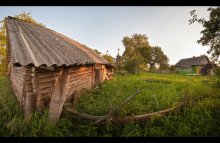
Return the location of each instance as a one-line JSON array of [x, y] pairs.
[[194, 65], [46, 68]]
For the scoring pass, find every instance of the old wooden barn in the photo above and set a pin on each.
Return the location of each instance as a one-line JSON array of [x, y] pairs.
[[192, 65], [46, 68]]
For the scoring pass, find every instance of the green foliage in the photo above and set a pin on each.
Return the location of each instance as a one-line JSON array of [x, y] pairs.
[[159, 91], [134, 64], [158, 57], [109, 58], [138, 46], [28, 18], [211, 32], [172, 68], [2, 61], [217, 71]]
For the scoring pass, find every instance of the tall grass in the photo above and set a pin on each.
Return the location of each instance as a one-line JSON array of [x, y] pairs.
[[158, 91]]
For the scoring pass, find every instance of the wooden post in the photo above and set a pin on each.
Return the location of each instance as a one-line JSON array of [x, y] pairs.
[[28, 106], [58, 97]]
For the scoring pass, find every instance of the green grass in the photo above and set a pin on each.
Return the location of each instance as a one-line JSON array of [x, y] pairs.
[[158, 91]]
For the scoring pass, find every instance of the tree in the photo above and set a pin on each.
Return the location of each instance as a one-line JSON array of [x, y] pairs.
[[211, 32], [24, 17], [136, 48], [157, 57], [134, 43], [108, 58]]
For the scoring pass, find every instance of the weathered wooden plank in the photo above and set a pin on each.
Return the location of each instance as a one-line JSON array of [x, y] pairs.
[[81, 73], [28, 88], [79, 78], [49, 74], [58, 97], [17, 90], [46, 80], [76, 71], [46, 90], [47, 70], [17, 81], [80, 68], [46, 85], [28, 106]]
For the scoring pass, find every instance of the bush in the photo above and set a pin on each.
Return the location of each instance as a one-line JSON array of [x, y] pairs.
[[217, 71]]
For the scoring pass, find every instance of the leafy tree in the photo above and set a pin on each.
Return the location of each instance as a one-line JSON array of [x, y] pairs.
[[157, 57], [211, 32], [108, 58], [137, 45], [134, 43], [136, 48], [24, 17]]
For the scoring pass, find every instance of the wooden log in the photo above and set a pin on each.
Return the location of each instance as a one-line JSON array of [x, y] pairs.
[[84, 115], [46, 80], [76, 71], [46, 90], [46, 85], [49, 74], [109, 115], [80, 74], [78, 79], [138, 118]]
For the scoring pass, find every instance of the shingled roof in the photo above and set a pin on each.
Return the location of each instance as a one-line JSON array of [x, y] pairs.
[[31, 44], [202, 60]]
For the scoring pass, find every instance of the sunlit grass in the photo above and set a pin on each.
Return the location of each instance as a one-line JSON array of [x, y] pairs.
[[158, 91]]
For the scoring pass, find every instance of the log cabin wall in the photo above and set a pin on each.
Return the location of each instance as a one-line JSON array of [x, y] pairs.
[[34, 87], [79, 78], [19, 79]]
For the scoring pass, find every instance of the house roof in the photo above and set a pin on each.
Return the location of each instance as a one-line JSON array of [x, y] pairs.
[[31, 44], [202, 60]]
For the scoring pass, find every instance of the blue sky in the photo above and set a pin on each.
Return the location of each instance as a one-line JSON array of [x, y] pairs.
[[103, 27]]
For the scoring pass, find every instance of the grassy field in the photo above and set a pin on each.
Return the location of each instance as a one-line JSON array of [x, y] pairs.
[[158, 91]]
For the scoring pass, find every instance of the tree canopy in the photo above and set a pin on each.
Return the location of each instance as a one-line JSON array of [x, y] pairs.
[[211, 32], [139, 54]]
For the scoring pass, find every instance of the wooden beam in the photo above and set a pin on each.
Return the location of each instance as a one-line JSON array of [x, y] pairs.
[[58, 96], [28, 106]]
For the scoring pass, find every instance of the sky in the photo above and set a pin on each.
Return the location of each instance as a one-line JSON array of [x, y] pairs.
[[103, 27]]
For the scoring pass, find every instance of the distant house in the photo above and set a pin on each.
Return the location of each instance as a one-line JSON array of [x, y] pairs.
[[194, 65]]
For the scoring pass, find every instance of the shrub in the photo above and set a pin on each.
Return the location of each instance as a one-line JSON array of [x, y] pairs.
[[217, 71]]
